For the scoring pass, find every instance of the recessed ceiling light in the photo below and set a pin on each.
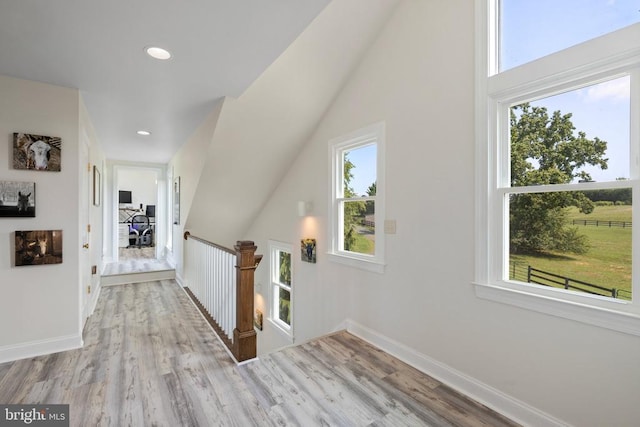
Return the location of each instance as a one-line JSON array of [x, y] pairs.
[[143, 132], [157, 52]]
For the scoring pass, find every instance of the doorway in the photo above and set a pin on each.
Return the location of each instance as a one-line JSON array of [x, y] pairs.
[[138, 203]]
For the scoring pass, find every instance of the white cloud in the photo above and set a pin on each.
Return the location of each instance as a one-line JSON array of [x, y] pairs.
[[614, 90]]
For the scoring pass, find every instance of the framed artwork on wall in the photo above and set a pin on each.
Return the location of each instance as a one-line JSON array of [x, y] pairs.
[[176, 201], [308, 250], [17, 199], [38, 247], [97, 189], [36, 152]]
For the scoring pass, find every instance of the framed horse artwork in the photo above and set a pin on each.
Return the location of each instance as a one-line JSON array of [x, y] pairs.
[[17, 199]]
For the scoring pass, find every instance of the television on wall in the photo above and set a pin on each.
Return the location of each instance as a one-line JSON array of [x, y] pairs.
[[124, 197]]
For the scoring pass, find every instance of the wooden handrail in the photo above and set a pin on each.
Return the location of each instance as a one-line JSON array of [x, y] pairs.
[[188, 235], [244, 341]]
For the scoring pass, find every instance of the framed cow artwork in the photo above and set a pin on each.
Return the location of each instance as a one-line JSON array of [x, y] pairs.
[[36, 152]]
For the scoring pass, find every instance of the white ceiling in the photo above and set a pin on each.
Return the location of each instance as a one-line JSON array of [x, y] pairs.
[[219, 48]]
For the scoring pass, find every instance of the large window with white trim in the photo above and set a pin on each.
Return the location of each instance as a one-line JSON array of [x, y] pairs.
[[357, 198], [558, 141]]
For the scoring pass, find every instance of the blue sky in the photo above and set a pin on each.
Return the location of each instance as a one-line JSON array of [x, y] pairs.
[[532, 29], [535, 28], [364, 172]]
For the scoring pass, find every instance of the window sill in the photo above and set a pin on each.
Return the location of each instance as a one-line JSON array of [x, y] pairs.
[[582, 312], [363, 264]]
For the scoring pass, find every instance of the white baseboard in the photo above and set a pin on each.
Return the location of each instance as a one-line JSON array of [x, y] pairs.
[[498, 401], [344, 325], [10, 353], [180, 280]]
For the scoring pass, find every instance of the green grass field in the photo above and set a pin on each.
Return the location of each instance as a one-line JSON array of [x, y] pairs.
[[363, 245], [608, 261], [604, 213]]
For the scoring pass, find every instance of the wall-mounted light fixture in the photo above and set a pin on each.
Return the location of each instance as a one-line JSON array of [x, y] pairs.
[[305, 208], [257, 320]]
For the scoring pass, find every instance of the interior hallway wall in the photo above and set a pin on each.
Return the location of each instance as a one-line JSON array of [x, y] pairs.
[[40, 305]]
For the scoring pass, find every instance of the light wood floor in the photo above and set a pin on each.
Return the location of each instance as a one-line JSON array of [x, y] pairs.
[[151, 359], [146, 252], [136, 260]]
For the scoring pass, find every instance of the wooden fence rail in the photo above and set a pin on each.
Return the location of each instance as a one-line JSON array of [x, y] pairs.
[[220, 281], [601, 223], [542, 277], [526, 273]]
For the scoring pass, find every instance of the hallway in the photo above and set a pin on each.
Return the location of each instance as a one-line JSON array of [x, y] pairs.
[[151, 359]]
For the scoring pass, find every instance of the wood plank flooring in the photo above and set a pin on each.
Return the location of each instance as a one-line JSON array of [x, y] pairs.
[[151, 359], [136, 260]]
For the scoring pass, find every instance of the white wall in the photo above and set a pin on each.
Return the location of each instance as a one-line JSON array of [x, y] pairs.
[[143, 186], [419, 78], [187, 164], [40, 305]]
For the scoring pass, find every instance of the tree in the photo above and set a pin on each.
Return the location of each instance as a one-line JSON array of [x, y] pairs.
[[285, 295], [369, 204], [371, 190], [352, 210], [544, 150]]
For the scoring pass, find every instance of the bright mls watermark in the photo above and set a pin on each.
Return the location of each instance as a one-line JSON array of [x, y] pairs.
[[34, 415]]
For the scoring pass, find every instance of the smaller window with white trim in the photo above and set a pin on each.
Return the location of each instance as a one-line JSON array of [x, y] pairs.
[[357, 204], [281, 312]]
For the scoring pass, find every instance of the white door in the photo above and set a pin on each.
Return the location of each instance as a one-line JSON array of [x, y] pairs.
[[85, 211]]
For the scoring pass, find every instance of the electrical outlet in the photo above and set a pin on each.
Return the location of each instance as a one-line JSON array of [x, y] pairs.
[[89, 289]]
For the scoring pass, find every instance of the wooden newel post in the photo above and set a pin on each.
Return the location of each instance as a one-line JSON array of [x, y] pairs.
[[244, 336]]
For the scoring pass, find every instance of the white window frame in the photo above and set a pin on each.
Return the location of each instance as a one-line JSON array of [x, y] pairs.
[[373, 134], [603, 58], [275, 248]]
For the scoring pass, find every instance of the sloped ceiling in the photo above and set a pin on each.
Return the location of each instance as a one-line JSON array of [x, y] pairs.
[[220, 47], [259, 134]]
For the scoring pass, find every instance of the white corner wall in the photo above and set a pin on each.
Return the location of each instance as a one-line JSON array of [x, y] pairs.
[[419, 78], [187, 164], [40, 305]]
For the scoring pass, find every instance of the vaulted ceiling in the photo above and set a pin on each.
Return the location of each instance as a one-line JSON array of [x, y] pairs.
[[253, 141], [219, 48]]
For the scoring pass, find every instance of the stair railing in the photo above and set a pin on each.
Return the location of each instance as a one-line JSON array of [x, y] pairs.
[[220, 281]]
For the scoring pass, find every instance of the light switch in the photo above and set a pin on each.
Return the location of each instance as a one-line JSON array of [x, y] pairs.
[[389, 226]]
